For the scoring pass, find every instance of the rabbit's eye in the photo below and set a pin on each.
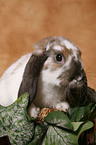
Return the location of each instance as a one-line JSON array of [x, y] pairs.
[[59, 57]]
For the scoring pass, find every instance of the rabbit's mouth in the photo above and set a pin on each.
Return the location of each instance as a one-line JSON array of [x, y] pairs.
[[78, 83]]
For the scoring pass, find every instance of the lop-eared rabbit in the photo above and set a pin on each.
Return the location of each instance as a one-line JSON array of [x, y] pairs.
[[53, 75]]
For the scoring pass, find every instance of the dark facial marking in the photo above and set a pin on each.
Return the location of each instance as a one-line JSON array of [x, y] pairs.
[[75, 70], [77, 95]]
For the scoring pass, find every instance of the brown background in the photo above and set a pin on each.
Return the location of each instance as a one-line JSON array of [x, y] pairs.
[[24, 22]]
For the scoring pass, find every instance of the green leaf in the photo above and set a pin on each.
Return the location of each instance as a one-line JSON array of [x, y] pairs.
[[40, 132], [81, 113], [14, 122], [58, 136], [76, 125], [85, 126], [59, 119], [82, 125], [57, 128]]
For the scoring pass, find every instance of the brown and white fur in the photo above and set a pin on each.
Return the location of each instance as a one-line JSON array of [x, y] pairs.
[[53, 75]]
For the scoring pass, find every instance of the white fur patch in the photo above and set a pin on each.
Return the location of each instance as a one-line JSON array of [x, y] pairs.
[[38, 52], [11, 80], [48, 47], [79, 78], [69, 44], [67, 64], [33, 111], [58, 48], [62, 106], [51, 77]]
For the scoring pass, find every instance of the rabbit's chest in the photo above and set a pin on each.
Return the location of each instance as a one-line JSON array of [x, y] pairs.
[[48, 96]]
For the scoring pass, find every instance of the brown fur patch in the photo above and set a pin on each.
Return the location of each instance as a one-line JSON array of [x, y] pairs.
[[55, 66], [79, 53], [66, 52]]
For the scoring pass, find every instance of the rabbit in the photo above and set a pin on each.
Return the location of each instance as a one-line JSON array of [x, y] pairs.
[[53, 75]]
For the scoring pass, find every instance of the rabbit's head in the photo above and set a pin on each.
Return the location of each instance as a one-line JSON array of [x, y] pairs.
[[58, 61]]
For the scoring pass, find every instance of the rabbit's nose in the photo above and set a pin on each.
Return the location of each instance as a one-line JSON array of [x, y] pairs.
[[79, 78]]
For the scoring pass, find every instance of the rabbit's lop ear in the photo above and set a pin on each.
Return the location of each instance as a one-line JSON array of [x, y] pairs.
[[31, 74]]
